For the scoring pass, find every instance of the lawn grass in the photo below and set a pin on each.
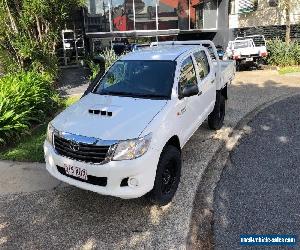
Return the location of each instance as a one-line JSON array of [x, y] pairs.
[[30, 147], [70, 100], [289, 69]]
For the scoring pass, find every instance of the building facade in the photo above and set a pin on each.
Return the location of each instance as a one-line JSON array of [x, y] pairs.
[[103, 21], [263, 17], [160, 19]]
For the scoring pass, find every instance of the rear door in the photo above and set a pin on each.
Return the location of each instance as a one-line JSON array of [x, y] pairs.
[[206, 83]]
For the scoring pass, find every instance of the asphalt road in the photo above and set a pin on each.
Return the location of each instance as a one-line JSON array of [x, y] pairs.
[[259, 190]]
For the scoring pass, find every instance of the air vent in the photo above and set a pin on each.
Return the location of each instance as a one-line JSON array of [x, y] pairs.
[[100, 112]]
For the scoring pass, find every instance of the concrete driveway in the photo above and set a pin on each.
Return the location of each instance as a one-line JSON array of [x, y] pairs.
[[64, 217]]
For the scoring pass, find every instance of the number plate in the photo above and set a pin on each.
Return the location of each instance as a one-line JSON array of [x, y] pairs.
[[76, 172], [249, 59]]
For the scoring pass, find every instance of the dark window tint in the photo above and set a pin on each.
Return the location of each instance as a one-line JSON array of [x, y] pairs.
[[143, 79], [187, 74], [202, 64]]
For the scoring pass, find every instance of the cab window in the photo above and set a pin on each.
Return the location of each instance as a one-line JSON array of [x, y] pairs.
[[187, 74], [202, 64]]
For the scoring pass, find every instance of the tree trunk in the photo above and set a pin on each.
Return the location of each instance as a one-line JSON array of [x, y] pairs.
[[288, 21], [38, 26]]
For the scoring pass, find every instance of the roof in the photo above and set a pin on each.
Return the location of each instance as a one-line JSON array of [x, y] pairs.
[[168, 53]]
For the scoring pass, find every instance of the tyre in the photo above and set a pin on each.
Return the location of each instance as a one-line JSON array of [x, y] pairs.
[[238, 65], [259, 63], [216, 117], [167, 176]]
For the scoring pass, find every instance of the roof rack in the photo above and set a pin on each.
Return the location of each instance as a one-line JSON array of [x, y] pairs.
[[195, 42], [192, 42]]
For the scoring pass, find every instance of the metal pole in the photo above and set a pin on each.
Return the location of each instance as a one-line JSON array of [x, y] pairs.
[[133, 6], [156, 13], [109, 16], [189, 14]]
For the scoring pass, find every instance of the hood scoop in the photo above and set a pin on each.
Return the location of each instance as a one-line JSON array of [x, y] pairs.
[[100, 112]]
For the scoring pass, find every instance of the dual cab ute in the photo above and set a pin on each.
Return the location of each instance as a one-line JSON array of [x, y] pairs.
[[124, 138], [247, 51]]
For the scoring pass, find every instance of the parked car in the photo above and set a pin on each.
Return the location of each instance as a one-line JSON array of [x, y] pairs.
[[125, 137], [247, 51], [135, 47], [220, 52]]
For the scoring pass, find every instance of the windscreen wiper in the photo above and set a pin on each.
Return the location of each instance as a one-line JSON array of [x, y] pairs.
[[115, 93], [150, 96], [120, 93]]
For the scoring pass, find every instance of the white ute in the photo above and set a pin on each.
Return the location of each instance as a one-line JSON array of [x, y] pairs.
[[248, 50], [124, 138]]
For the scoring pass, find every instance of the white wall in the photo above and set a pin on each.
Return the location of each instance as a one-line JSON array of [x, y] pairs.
[[264, 15]]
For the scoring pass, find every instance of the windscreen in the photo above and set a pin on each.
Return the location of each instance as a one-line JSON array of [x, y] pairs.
[[258, 40], [239, 45], [141, 79]]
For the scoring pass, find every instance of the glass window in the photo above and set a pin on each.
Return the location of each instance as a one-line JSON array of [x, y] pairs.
[[122, 15], [202, 64], [144, 79], [145, 14], [193, 5], [199, 16], [241, 44], [187, 74], [183, 14], [97, 18], [206, 15], [167, 14], [210, 16], [231, 7]]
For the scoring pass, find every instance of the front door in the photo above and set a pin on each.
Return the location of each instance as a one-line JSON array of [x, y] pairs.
[[187, 108], [206, 84]]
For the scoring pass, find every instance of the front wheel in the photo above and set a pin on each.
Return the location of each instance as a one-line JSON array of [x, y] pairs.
[[216, 117], [167, 176]]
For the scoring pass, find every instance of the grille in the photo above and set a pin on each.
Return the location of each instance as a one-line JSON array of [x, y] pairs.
[[81, 151], [99, 181]]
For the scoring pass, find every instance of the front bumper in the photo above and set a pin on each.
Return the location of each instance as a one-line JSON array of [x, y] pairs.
[[143, 169]]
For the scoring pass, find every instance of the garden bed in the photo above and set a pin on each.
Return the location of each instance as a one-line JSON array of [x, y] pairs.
[[29, 147]]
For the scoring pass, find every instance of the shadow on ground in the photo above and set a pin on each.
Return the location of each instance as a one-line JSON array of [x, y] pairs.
[[259, 191], [261, 93]]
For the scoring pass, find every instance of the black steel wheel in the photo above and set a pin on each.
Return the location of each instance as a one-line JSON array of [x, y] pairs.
[[216, 118], [167, 176]]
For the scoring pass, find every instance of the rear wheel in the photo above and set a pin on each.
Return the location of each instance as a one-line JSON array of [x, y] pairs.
[[238, 65], [216, 117], [167, 176]]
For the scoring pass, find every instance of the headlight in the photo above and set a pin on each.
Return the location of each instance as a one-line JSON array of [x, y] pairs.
[[131, 149], [50, 132]]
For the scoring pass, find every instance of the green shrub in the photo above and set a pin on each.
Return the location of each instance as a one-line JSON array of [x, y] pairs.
[[110, 57], [26, 98], [94, 67], [283, 54], [30, 31]]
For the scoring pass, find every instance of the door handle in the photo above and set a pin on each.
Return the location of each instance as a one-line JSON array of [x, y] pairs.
[[199, 93]]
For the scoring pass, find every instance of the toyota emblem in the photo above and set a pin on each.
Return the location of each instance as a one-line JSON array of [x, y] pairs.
[[74, 145]]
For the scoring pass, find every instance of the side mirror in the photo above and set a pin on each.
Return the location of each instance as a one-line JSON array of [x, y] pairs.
[[190, 91]]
